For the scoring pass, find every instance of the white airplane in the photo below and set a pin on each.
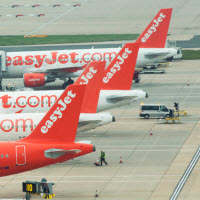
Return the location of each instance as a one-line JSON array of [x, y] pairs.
[[18, 126], [40, 67]]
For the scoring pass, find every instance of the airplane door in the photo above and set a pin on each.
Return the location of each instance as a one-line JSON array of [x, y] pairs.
[[2, 61], [20, 155]]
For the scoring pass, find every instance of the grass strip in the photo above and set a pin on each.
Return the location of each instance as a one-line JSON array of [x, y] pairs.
[[191, 54], [59, 39]]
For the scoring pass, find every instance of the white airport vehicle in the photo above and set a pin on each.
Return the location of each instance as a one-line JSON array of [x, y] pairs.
[[154, 110], [40, 67]]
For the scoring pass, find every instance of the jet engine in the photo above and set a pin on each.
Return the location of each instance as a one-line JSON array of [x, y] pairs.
[[37, 79]]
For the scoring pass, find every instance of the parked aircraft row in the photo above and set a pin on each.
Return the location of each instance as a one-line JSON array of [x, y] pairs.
[[40, 67], [46, 122], [114, 82], [112, 89]]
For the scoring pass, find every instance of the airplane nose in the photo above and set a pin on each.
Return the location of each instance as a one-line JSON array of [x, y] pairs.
[[147, 95], [94, 148], [113, 119]]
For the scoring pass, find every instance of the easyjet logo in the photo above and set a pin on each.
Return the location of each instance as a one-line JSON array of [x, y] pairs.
[[86, 77], [153, 28], [34, 79], [57, 114], [117, 66], [55, 58]]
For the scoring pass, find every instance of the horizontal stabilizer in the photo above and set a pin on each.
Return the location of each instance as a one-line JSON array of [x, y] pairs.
[[84, 142], [56, 153], [119, 98], [155, 55], [83, 122]]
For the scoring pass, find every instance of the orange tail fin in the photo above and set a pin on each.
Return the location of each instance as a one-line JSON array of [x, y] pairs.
[[155, 35], [92, 76], [61, 121], [119, 74]]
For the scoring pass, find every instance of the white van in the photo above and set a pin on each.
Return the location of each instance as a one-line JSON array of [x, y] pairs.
[[154, 110]]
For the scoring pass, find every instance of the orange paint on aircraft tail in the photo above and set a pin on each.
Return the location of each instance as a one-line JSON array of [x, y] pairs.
[[92, 76], [155, 35], [119, 74], [52, 141]]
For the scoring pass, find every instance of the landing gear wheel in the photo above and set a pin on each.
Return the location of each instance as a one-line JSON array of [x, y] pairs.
[[1, 83], [69, 82], [170, 59], [64, 85]]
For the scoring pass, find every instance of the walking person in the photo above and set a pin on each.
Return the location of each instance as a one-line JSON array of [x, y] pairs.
[[102, 158]]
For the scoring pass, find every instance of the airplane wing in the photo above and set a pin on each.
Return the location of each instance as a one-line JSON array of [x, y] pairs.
[[56, 153]]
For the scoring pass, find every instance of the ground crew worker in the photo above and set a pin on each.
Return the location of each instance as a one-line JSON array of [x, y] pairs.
[[102, 157], [176, 105]]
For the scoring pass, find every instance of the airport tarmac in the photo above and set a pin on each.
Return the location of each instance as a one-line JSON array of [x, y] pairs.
[[96, 17], [152, 164]]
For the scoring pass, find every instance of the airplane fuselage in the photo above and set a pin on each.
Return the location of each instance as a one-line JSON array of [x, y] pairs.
[[17, 126], [41, 101], [19, 156], [19, 63]]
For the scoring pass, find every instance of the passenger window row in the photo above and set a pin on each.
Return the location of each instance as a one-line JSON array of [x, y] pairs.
[[2, 156]]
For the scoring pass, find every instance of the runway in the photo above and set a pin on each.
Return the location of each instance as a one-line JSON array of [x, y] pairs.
[[152, 164]]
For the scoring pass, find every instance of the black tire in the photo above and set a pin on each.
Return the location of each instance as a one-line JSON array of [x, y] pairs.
[[0, 87], [137, 81], [64, 85], [146, 116], [170, 58], [167, 116], [70, 82]]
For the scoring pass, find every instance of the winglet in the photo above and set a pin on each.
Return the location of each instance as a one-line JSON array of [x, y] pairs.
[[61, 121], [92, 76], [119, 74], [155, 35]]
